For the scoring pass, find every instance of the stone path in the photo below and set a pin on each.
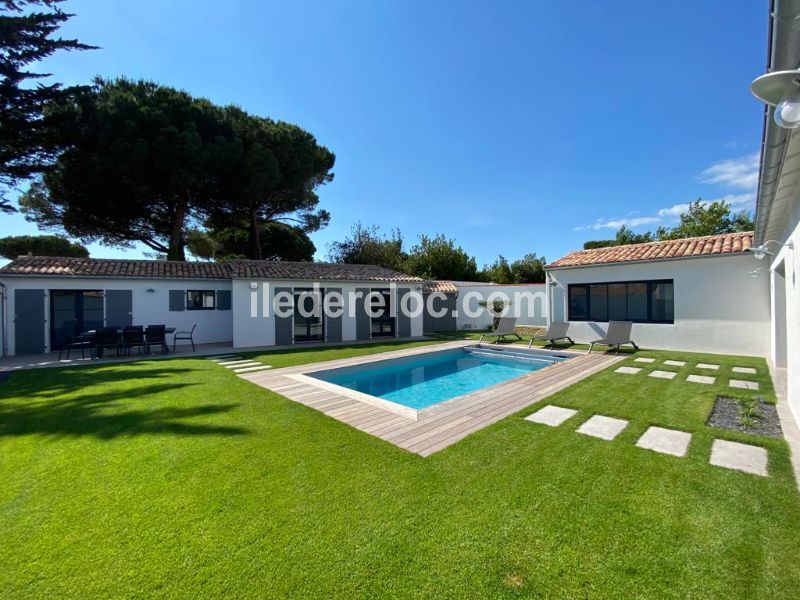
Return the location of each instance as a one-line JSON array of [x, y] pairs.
[[692, 378], [237, 364], [730, 455]]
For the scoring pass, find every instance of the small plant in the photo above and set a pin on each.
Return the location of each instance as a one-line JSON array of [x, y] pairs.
[[748, 411]]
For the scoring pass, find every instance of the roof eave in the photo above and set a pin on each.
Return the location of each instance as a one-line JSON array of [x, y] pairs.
[[646, 261]]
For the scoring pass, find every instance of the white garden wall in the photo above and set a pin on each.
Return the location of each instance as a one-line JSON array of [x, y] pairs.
[[719, 306], [530, 310]]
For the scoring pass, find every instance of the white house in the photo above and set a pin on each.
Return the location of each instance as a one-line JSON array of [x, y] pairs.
[[778, 203], [696, 294], [46, 301]]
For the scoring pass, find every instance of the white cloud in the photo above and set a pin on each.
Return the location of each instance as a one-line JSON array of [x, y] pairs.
[[740, 172]]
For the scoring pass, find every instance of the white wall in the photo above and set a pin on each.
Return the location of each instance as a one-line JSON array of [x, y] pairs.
[[719, 307], [251, 331], [148, 307], [785, 325], [531, 310]]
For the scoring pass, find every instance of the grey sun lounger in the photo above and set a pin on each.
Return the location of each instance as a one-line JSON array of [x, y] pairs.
[[505, 326], [618, 334], [556, 331]]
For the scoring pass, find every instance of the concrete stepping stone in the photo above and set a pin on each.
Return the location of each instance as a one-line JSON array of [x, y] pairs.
[[605, 428], [627, 370], [666, 441], [708, 366], [675, 363], [220, 356], [701, 379], [747, 370], [233, 362], [743, 385], [551, 415], [662, 374], [249, 363], [252, 369], [645, 360], [221, 361], [742, 457]]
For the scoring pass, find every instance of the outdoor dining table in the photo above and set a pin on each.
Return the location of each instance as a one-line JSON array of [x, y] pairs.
[[92, 332]]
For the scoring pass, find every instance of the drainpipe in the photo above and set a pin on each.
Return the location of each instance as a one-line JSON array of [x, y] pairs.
[[3, 312]]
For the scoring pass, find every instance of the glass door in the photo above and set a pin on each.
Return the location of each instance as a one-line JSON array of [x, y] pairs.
[[308, 316], [383, 322], [72, 312]]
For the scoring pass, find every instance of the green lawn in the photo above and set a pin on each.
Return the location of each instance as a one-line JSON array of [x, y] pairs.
[[176, 478]]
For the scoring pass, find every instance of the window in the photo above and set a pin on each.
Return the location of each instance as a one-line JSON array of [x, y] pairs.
[[638, 301], [383, 324], [200, 300], [308, 315]]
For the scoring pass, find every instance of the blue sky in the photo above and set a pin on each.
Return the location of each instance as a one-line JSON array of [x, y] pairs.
[[512, 127]]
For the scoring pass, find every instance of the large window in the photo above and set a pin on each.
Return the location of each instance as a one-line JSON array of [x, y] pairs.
[[308, 315], [383, 322], [200, 300], [638, 301]]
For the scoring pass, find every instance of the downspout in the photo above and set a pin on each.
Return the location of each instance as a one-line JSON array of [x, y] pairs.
[[3, 313]]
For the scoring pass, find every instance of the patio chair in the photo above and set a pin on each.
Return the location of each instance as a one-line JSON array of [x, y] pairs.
[[505, 326], [556, 331], [618, 334], [106, 337], [155, 335], [184, 336], [132, 337], [80, 342]]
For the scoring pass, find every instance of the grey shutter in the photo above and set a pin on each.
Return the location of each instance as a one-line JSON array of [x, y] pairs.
[[333, 325], [223, 300], [283, 325], [29, 321], [119, 308], [363, 320], [403, 320], [177, 300]]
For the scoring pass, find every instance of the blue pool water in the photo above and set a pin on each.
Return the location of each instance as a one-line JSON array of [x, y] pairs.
[[420, 381]]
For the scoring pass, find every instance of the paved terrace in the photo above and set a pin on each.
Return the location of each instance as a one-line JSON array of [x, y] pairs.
[[440, 425]]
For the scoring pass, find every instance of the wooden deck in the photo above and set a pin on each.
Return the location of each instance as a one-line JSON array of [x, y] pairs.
[[442, 424]]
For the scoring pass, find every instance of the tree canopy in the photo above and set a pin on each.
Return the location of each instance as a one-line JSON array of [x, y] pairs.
[[27, 142], [368, 246], [528, 269], [279, 241], [148, 163], [700, 218], [439, 258], [40, 245]]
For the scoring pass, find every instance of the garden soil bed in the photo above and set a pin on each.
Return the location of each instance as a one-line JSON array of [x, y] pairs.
[[727, 414]]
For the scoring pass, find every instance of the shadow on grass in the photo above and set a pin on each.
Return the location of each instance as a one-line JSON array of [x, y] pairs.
[[109, 415]]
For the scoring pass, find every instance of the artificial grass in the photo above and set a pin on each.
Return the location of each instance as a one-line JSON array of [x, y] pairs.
[[176, 478]]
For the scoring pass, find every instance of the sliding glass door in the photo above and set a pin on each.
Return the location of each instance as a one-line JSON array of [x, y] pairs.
[[383, 323], [73, 312], [309, 325]]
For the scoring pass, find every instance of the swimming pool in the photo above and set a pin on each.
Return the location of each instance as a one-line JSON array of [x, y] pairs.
[[421, 381]]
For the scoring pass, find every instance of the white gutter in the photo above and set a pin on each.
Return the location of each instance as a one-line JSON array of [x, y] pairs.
[[783, 54]]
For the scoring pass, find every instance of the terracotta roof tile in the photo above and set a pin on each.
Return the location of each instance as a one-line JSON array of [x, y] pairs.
[[444, 287], [726, 243], [163, 269]]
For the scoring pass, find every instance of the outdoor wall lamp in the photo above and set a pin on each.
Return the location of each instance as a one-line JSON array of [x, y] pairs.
[[761, 251], [780, 89]]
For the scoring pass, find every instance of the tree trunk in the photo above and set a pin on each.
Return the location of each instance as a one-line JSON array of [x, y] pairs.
[[255, 236], [176, 243]]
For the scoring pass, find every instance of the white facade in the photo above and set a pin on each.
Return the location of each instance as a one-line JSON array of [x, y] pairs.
[[252, 331], [150, 304], [785, 325], [719, 307]]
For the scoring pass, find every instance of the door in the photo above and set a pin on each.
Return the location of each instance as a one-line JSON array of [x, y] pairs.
[[72, 312], [29, 321], [308, 316], [119, 308]]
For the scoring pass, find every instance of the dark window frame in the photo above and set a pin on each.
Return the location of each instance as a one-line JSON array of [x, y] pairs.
[[385, 318], [203, 294], [308, 338], [650, 283]]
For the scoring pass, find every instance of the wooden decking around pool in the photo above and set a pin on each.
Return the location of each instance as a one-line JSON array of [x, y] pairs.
[[442, 424]]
